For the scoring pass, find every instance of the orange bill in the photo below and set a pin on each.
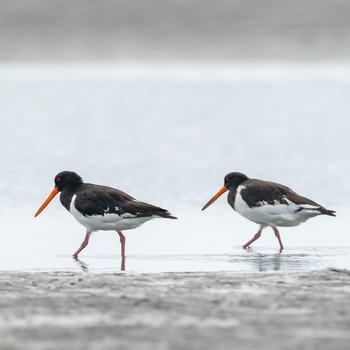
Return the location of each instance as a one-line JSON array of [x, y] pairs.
[[48, 200], [222, 190]]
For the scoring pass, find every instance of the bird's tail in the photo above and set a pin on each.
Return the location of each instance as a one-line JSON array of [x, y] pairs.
[[327, 212], [165, 214]]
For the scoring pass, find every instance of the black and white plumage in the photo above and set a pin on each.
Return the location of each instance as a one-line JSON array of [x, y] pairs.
[[267, 204], [100, 207]]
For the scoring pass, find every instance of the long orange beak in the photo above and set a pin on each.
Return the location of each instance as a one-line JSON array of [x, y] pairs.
[[222, 190], [48, 200]]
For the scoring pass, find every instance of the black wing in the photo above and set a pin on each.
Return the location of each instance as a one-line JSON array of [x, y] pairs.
[[258, 192], [99, 200]]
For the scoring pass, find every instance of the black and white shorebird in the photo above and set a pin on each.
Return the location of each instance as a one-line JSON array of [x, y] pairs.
[[101, 208], [267, 204]]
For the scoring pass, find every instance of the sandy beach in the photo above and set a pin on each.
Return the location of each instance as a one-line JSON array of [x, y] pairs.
[[222, 310]]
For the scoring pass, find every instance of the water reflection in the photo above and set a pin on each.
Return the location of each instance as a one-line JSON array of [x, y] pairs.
[[81, 264], [304, 259], [238, 259], [263, 262], [250, 260], [85, 266]]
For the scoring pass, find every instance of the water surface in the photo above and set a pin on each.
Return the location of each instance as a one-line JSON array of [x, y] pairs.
[[167, 134]]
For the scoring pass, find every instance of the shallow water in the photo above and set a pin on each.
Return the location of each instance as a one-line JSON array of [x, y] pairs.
[[167, 134], [251, 260]]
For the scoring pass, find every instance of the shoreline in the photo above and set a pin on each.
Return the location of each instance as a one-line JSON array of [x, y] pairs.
[[196, 310]]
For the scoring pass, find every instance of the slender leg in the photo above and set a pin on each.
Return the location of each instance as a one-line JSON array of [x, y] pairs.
[[122, 242], [83, 244], [277, 234], [256, 236], [122, 265]]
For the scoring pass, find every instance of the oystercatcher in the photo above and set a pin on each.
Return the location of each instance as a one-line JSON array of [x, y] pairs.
[[267, 204], [101, 208]]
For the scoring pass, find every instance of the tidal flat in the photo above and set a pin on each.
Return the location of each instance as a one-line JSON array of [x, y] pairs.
[[186, 310]]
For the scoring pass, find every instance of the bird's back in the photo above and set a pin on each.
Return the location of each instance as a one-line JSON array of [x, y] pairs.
[[273, 204], [99, 200]]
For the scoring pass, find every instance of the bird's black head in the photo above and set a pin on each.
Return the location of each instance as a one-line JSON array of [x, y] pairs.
[[64, 181], [233, 180], [67, 179]]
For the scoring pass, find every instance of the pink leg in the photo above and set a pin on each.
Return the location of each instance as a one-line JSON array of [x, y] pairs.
[[83, 245], [122, 266], [256, 236], [277, 234], [122, 241]]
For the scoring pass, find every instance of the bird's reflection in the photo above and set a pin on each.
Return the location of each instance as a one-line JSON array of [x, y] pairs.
[[264, 262], [269, 262], [84, 266], [260, 260]]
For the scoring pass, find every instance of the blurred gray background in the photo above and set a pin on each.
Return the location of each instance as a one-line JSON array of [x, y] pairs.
[[195, 30]]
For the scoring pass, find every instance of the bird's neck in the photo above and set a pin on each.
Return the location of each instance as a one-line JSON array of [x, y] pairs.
[[67, 195]]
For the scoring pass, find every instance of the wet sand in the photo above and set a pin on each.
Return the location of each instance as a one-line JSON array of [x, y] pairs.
[[197, 310]]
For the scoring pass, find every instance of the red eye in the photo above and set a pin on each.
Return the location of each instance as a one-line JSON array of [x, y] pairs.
[[58, 179]]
